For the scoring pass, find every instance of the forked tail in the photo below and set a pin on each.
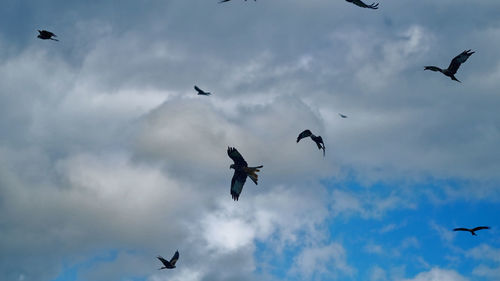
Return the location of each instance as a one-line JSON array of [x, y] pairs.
[[252, 173]]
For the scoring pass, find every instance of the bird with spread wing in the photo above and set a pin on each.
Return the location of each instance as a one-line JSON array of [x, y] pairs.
[[317, 139], [363, 5], [342, 115], [472, 231], [44, 34], [241, 172], [169, 264], [222, 1], [201, 92], [454, 65]]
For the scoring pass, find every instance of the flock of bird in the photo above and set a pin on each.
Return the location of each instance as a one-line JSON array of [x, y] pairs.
[[240, 166]]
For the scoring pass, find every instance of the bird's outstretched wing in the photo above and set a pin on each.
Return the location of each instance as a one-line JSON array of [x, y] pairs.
[[198, 89], [458, 60], [224, 1], [363, 5], [342, 115], [319, 142], [164, 261], [237, 183], [480, 227], [174, 259], [433, 68], [304, 134], [236, 157], [461, 229]]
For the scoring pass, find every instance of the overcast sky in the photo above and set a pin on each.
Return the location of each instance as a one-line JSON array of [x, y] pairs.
[[108, 157]]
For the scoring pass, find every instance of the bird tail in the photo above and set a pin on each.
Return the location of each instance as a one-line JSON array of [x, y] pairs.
[[54, 39], [252, 173]]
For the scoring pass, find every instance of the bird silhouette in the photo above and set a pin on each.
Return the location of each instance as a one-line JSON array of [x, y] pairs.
[[201, 92], [241, 171], [169, 264], [363, 5], [454, 65], [317, 139], [342, 115], [228, 1], [472, 231], [44, 34]]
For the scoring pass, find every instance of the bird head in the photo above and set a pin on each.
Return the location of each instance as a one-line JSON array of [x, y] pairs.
[[231, 166]]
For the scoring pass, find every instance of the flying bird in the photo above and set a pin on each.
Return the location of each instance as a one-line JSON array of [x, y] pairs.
[[169, 264], [44, 34], [241, 171], [201, 92], [342, 115], [363, 5], [317, 139], [454, 65], [472, 231], [228, 1]]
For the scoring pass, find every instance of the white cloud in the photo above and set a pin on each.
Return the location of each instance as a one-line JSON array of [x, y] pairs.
[[438, 274]]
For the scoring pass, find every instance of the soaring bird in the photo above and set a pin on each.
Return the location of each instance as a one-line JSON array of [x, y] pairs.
[[201, 92], [228, 1], [454, 65], [363, 5], [241, 171], [472, 231], [342, 115], [317, 139], [169, 264], [44, 34]]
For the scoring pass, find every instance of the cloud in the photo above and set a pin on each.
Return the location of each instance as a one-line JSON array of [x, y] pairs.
[[329, 260], [438, 274]]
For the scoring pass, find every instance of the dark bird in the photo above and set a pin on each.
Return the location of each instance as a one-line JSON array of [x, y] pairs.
[[454, 65], [169, 264], [317, 139], [363, 5], [44, 34], [201, 92], [228, 1], [342, 115], [241, 171], [472, 231]]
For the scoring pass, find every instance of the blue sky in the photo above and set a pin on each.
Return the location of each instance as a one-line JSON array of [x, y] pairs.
[[108, 157]]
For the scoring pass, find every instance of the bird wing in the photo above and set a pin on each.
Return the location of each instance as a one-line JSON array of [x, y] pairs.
[[224, 1], [461, 229], [363, 5], [433, 68], [164, 261], [319, 142], [342, 115], [458, 60], [198, 89], [237, 183], [236, 157], [304, 134], [480, 227], [174, 259]]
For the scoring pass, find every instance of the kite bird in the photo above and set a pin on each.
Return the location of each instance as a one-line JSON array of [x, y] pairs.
[[44, 34], [342, 115], [363, 5], [454, 65], [201, 92], [228, 1], [169, 264], [317, 139], [241, 171], [472, 231]]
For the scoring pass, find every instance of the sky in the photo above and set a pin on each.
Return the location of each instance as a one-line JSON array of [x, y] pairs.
[[108, 158]]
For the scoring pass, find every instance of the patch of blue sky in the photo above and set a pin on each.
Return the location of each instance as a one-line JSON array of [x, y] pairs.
[[70, 271]]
